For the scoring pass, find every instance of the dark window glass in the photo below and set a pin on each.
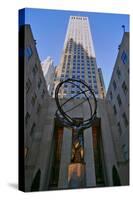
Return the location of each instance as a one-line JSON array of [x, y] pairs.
[[33, 99], [119, 100], [34, 70], [119, 128], [114, 85], [27, 117], [115, 111], [124, 57], [111, 96], [124, 87], [43, 93], [38, 108], [32, 129], [28, 52], [28, 85], [95, 86], [39, 83], [118, 73], [125, 120]]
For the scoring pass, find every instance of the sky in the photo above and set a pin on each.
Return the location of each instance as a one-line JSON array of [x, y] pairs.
[[49, 30]]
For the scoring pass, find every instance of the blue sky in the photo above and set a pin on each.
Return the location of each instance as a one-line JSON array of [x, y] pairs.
[[49, 29]]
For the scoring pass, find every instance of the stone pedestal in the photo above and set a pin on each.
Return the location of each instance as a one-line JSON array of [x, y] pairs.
[[76, 175]]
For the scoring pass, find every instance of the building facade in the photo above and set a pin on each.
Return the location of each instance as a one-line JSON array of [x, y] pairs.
[[78, 60], [35, 101], [49, 73], [118, 96], [102, 85], [49, 160], [54, 168]]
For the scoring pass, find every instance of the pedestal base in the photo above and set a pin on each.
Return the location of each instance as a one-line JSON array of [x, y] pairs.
[[76, 175]]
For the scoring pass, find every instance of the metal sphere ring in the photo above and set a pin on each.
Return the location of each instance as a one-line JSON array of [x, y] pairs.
[[62, 115]]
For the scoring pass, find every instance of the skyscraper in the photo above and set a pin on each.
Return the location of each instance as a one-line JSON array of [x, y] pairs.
[[103, 90], [78, 59], [49, 73]]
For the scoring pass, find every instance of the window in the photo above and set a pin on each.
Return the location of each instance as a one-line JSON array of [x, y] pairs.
[[33, 100], [124, 87], [38, 108], [34, 70], [26, 149], [28, 85], [119, 128], [125, 120], [111, 96], [115, 111], [118, 73], [32, 129], [27, 117], [125, 151], [119, 100], [39, 83], [72, 92], [114, 85], [28, 52], [43, 93], [124, 57]]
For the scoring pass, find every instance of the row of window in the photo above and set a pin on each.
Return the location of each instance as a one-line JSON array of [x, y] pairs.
[[28, 116], [33, 101], [78, 60], [76, 88], [82, 71], [28, 84], [78, 91], [27, 52], [123, 86], [79, 67], [89, 74], [79, 56], [79, 18], [125, 121], [78, 76]]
